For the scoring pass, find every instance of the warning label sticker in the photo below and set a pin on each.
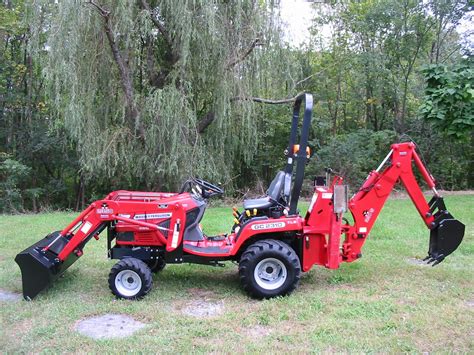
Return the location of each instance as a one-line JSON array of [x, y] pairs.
[[86, 227]]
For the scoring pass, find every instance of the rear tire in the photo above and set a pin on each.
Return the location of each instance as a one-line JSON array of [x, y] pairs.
[[130, 278], [269, 268]]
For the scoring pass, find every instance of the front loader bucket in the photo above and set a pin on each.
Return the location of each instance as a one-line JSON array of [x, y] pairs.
[[39, 267], [446, 234]]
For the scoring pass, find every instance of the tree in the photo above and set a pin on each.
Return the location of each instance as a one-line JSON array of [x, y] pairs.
[[37, 166], [97, 95], [379, 45], [371, 66], [447, 15], [153, 91], [449, 98]]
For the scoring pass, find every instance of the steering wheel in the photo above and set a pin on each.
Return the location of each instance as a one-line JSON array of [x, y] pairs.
[[204, 188], [207, 189]]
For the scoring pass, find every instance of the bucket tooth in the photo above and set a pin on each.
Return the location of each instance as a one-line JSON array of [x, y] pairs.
[[437, 262]]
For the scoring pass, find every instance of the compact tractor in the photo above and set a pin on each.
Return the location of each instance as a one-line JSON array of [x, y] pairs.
[[269, 239]]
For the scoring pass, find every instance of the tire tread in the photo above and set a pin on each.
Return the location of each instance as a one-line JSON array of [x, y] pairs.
[[253, 255], [139, 267]]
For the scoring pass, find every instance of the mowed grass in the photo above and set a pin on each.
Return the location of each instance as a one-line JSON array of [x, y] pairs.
[[381, 303]]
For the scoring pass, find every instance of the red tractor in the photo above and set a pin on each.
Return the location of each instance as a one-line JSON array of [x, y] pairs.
[[270, 240]]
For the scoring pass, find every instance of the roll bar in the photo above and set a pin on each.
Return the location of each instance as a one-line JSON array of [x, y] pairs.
[[300, 156]]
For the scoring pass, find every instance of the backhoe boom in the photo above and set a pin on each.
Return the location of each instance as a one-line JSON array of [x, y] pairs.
[[324, 228], [367, 203]]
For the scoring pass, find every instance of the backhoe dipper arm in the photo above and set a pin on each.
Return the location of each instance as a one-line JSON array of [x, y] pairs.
[[367, 203]]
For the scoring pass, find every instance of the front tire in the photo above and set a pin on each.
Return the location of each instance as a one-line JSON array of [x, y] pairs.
[[269, 268], [130, 278]]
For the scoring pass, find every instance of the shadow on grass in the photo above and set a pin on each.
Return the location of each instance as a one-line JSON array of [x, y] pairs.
[[174, 280]]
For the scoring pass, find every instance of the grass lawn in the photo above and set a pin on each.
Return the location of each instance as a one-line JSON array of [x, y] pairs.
[[381, 303]]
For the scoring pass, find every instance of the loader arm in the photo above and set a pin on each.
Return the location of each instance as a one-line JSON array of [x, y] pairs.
[[46, 260], [366, 204]]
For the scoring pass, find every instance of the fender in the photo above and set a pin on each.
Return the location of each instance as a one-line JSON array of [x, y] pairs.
[[267, 226]]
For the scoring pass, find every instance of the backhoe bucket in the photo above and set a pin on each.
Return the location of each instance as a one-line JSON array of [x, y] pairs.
[[40, 266], [446, 234]]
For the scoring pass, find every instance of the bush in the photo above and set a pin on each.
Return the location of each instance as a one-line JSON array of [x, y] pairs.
[[353, 155], [12, 175]]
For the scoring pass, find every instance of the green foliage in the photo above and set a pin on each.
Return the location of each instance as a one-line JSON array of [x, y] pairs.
[[368, 76], [353, 155], [448, 160], [149, 133], [10, 18], [39, 166], [88, 113], [449, 98], [12, 175], [368, 65]]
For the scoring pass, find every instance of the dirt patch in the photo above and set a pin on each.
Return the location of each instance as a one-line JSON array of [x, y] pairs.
[[204, 304], [258, 331], [201, 293], [8, 296], [108, 326], [203, 309], [21, 327]]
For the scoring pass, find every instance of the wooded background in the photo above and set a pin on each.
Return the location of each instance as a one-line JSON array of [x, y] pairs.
[[102, 95]]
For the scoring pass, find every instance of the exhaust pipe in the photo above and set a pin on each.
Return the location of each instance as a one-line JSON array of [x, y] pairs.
[[446, 232], [40, 266]]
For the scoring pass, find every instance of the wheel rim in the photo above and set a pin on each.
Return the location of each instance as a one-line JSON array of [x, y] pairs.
[[128, 283], [270, 273]]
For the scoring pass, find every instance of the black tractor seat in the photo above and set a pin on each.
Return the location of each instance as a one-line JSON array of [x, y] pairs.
[[261, 203], [277, 193]]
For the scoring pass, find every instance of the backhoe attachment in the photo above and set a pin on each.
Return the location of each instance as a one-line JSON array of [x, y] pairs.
[[446, 232]]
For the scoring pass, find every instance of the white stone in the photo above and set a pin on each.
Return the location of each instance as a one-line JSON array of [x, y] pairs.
[[108, 326], [9, 296]]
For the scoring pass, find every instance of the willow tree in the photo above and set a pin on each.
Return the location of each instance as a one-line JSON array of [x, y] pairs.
[[154, 91]]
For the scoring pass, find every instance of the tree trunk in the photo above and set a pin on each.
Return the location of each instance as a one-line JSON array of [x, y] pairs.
[[80, 194], [470, 175], [205, 121], [336, 108], [126, 81], [402, 112]]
